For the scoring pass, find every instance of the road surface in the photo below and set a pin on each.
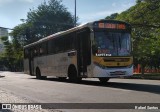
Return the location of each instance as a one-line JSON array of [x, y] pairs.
[[52, 90]]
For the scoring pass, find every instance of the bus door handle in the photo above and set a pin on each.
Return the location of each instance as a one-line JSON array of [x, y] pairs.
[[72, 53]]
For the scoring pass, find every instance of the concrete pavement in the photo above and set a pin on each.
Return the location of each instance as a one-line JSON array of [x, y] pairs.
[[52, 90]]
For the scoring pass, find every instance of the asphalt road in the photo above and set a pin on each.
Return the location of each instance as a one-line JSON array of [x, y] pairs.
[[52, 90]]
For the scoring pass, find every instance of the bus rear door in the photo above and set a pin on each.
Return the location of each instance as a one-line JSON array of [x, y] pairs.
[[31, 61]]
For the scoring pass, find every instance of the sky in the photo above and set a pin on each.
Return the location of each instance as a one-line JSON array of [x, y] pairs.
[[11, 11]]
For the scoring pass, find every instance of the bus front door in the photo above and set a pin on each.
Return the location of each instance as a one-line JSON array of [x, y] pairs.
[[84, 52]]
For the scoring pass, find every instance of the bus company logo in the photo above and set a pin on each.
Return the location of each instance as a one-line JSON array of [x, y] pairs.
[[6, 106], [103, 53]]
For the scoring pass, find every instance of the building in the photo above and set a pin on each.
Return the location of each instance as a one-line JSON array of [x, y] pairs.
[[3, 32]]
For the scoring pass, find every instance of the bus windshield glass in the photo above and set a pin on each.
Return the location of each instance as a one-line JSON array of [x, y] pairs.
[[112, 44]]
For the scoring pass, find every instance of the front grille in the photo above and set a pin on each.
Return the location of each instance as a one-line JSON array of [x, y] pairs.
[[117, 66], [117, 73], [116, 59]]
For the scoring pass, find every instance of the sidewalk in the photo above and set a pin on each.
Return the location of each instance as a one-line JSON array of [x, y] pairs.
[[8, 98]]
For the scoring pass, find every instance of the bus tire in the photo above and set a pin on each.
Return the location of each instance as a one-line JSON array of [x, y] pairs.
[[104, 80], [72, 74], [38, 74]]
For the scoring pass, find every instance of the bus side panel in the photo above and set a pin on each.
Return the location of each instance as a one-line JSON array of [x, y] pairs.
[[72, 59], [35, 65], [42, 65], [55, 65], [90, 71], [26, 66], [51, 65], [62, 63], [58, 64]]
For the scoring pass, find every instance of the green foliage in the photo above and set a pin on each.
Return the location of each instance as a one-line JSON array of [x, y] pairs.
[[145, 14], [112, 16], [144, 18], [47, 19], [12, 56]]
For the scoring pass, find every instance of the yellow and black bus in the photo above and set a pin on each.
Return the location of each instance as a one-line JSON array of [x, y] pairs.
[[99, 49]]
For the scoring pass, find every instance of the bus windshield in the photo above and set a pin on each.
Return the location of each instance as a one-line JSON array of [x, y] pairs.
[[112, 44]]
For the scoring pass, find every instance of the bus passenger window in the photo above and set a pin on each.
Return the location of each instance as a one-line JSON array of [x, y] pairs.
[[36, 51], [51, 48], [43, 49], [26, 53]]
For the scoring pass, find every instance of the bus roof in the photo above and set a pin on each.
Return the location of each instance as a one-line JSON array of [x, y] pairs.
[[89, 24], [58, 34]]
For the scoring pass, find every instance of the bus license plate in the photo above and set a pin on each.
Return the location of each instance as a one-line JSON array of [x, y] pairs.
[[118, 73]]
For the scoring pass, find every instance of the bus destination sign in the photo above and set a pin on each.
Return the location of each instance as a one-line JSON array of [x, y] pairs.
[[120, 26]]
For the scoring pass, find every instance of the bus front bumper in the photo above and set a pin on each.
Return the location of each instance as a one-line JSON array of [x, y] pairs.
[[112, 72]]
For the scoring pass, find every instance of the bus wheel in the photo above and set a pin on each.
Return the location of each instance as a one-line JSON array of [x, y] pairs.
[[38, 74], [72, 73], [103, 80]]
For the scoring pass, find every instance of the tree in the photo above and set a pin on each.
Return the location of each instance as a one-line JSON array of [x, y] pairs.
[[7, 55], [112, 16], [50, 17], [12, 57], [144, 17]]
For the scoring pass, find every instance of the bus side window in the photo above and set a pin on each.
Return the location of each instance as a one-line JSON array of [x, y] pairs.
[[56, 49], [62, 44], [51, 48], [59, 45], [31, 53], [66, 45], [43, 48], [36, 50], [70, 41], [25, 53], [67, 42]]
